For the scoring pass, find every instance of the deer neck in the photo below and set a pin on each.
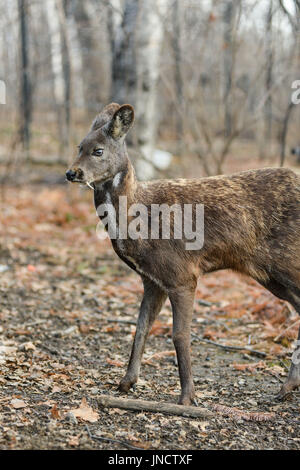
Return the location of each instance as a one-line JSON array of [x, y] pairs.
[[124, 183]]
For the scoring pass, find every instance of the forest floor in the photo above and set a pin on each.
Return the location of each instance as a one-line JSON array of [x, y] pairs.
[[64, 296]]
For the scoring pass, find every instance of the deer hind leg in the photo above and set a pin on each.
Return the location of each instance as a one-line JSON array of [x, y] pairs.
[[288, 291], [182, 306], [293, 380], [151, 305]]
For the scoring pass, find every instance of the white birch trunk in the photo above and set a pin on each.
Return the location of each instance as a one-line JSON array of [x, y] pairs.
[[56, 51], [59, 42], [150, 35]]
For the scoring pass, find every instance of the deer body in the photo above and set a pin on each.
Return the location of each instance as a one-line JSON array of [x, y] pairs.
[[251, 225]]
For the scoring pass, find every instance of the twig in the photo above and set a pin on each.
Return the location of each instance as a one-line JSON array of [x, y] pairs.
[[120, 320], [231, 348], [154, 406], [158, 355], [284, 331], [235, 413], [205, 303], [115, 441]]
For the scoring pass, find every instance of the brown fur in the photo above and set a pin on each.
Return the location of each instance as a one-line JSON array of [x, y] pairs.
[[252, 225]]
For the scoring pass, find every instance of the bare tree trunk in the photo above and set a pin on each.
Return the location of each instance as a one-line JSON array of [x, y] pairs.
[[149, 43], [26, 96], [123, 65], [91, 75], [176, 43], [61, 69], [284, 132], [228, 19], [62, 14], [136, 43], [295, 23], [269, 72]]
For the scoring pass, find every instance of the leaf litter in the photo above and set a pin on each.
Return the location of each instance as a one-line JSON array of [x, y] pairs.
[[67, 307]]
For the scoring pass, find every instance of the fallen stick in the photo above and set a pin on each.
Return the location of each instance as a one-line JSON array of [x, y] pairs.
[[121, 320], [158, 355], [154, 406], [286, 329], [237, 414], [108, 439], [230, 348], [205, 303]]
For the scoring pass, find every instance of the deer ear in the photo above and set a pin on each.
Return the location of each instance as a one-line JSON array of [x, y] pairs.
[[121, 121], [104, 116]]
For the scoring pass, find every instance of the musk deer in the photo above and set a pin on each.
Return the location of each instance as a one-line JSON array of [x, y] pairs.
[[251, 225]]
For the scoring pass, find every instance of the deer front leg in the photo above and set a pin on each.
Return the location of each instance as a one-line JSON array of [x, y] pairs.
[[182, 306], [151, 305]]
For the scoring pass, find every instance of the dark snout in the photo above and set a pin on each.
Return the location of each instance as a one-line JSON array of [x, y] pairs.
[[74, 175], [70, 174]]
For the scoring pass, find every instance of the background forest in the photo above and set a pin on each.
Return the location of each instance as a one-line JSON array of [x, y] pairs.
[[210, 80]]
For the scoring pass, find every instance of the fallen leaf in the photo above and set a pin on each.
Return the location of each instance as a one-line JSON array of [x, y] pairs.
[[31, 268], [28, 346], [17, 403], [158, 356], [74, 441], [55, 413], [249, 367], [85, 412], [160, 328], [203, 425], [114, 362]]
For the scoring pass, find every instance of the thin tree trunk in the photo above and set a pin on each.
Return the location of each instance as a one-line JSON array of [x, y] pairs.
[[67, 70], [177, 15], [149, 43], [85, 34], [295, 23], [284, 132], [61, 69], [26, 97], [269, 72], [123, 66], [228, 19]]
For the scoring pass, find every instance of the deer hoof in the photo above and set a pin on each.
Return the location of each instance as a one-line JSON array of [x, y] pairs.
[[282, 396], [187, 401], [285, 391], [125, 385]]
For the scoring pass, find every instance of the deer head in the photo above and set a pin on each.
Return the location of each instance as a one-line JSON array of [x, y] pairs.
[[102, 153]]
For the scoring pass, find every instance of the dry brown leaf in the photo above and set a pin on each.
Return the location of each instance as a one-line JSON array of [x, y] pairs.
[[160, 328], [110, 328], [259, 307], [114, 362], [16, 403], [213, 334], [55, 413], [74, 441], [28, 346], [203, 425], [249, 367], [158, 356], [85, 412]]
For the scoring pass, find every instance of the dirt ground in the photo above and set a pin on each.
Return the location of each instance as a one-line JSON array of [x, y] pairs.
[[66, 310]]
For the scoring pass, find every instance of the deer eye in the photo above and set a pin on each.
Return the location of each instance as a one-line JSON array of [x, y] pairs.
[[98, 152]]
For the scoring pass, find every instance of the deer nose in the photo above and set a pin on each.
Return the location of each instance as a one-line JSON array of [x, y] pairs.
[[70, 174]]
